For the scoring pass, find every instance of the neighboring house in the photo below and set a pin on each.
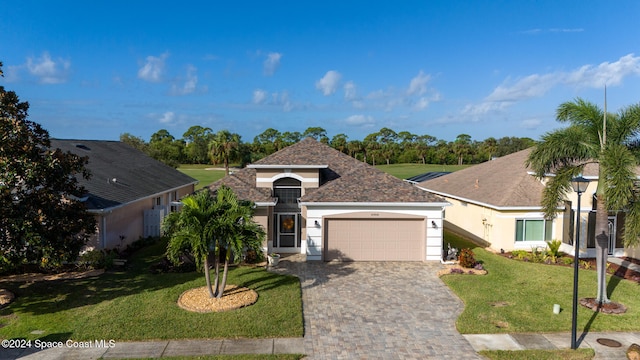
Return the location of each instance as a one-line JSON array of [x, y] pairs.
[[128, 192], [314, 200], [498, 202]]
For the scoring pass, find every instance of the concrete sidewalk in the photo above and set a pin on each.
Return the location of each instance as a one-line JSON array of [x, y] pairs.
[[552, 341], [160, 349]]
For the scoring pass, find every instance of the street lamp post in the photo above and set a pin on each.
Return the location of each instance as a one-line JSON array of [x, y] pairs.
[[579, 185]]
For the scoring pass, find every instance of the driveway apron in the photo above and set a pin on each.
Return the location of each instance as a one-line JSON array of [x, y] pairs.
[[378, 310]]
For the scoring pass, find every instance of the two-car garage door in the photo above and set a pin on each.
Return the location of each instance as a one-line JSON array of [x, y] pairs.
[[375, 239]]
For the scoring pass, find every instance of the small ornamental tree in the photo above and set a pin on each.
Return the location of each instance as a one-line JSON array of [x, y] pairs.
[[41, 220], [208, 225]]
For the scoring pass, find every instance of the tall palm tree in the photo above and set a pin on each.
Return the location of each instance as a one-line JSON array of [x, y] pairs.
[[224, 147], [206, 225], [235, 230], [193, 229], [608, 140]]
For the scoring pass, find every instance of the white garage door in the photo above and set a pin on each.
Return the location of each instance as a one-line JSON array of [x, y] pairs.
[[375, 240]]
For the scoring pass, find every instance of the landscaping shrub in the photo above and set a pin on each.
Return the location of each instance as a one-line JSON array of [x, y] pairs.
[[554, 247], [97, 259], [520, 254], [467, 258], [567, 260]]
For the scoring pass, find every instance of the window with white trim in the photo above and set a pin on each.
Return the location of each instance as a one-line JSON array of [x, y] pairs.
[[534, 230]]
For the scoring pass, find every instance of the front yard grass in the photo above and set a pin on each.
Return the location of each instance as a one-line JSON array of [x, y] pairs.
[[564, 354], [517, 296], [138, 305]]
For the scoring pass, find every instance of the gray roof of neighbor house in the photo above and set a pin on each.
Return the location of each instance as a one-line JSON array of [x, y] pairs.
[[502, 182], [121, 174], [343, 179]]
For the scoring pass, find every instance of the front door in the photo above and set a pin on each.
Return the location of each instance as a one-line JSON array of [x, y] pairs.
[[287, 237]]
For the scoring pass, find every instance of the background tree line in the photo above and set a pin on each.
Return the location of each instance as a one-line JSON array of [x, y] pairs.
[[201, 145]]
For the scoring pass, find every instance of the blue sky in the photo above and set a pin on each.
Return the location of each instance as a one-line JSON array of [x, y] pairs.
[[95, 70]]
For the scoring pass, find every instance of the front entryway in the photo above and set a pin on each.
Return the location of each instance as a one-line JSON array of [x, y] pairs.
[[287, 237], [287, 219]]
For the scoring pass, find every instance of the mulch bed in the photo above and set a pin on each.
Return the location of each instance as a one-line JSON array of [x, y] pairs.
[[234, 297], [614, 269]]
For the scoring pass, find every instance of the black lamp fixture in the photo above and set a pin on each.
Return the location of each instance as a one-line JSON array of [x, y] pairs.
[[579, 185], [317, 223], [434, 225]]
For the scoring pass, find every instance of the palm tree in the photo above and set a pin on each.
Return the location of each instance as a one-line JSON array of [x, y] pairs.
[[593, 137], [235, 230], [224, 147], [192, 229], [206, 225]]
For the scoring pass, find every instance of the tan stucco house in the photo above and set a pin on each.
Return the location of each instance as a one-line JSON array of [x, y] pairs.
[[314, 200], [498, 202], [129, 193]]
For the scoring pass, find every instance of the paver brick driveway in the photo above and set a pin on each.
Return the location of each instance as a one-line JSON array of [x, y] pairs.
[[378, 310]]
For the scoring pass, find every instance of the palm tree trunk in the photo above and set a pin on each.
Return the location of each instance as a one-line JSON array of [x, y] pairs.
[[217, 274], [224, 275], [602, 247], [207, 276]]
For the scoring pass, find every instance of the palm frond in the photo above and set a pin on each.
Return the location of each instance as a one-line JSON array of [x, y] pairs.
[[625, 126], [580, 112], [561, 148], [632, 221], [618, 168], [556, 190]]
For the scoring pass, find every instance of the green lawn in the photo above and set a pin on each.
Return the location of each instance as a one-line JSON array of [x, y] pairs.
[[517, 296], [564, 354], [404, 171], [200, 173], [138, 305]]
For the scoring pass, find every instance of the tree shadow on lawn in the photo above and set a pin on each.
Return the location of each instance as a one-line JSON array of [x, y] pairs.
[[45, 297]]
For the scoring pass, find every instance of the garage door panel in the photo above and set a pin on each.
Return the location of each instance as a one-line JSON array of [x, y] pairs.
[[375, 239]]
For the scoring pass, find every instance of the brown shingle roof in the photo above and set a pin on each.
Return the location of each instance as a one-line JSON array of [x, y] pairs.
[[243, 184], [345, 179], [503, 182]]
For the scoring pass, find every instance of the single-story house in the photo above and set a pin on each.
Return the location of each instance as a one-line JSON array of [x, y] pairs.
[[498, 202], [314, 200], [128, 192]]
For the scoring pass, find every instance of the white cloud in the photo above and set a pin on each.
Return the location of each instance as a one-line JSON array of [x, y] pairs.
[[153, 68], [485, 107], [359, 120], [329, 82], [531, 124], [553, 30], [604, 74], [259, 96], [528, 87], [190, 83], [586, 76], [167, 118], [418, 84], [422, 103], [48, 70], [350, 92], [272, 63]]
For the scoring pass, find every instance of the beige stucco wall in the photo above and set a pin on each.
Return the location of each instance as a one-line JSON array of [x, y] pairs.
[[310, 178], [633, 252], [261, 216], [497, 227]]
